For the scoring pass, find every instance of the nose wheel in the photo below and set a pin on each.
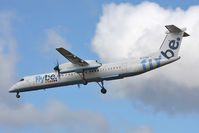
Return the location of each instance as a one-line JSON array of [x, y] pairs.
[[103, 90], [17, 96]]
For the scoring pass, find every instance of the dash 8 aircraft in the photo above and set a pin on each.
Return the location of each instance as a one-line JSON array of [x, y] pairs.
[[79, 71]]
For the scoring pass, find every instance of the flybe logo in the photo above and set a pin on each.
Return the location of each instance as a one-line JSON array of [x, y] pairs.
[[48, 78], [151, 63], [173, 45]]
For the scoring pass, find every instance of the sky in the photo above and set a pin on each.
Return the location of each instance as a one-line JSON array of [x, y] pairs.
[[161, 101]]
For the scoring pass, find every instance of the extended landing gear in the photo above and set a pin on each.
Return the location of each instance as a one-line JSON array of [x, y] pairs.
[[103, 90], [17, 96], [83, 78]]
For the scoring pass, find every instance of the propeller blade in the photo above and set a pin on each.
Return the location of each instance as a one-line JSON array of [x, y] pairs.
[[57, 69]]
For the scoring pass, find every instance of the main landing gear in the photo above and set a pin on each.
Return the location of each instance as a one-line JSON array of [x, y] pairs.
[[85, 82], [83, 78], [17, 96], [103, 90]]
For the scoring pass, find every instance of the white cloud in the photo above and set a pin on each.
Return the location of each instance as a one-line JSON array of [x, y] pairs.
[[8, 57], [54, 39], [53, 115], [127, 31]]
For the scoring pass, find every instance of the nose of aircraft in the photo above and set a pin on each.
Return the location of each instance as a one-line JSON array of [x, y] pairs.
[[12, 89]]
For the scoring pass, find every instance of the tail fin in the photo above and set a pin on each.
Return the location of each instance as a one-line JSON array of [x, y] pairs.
[[171, 44]]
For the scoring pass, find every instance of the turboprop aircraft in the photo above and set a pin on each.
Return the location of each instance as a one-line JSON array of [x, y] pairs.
[[79, 71]]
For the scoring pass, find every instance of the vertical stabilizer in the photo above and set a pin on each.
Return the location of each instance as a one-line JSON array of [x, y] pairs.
[[171, 44]]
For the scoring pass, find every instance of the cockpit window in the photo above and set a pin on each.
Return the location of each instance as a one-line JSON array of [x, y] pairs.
[[21, 79]]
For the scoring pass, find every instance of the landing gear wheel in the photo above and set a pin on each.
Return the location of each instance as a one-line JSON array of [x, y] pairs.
[[17, 96], [103, 91]]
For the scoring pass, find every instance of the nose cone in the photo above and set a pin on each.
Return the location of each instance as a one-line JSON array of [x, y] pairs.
[[12, 89]]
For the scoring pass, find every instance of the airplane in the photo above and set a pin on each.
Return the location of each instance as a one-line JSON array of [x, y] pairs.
[[78, 71]]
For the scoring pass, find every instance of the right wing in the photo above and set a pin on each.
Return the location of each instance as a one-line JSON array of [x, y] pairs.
[[71, 57]]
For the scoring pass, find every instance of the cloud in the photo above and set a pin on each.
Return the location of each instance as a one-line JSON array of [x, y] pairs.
[[54, 39], [126, 31], [8, 57], [141, 129], [53, 115]]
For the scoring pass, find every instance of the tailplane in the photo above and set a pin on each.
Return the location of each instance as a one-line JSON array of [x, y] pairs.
[[171, 44]]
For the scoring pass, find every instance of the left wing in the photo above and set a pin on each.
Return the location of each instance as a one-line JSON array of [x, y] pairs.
[[71, 57]]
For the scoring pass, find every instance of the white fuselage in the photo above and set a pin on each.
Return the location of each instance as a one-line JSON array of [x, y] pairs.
[[109, 71]]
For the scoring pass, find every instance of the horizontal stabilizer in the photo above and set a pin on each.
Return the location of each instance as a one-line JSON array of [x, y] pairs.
[[174, 29]]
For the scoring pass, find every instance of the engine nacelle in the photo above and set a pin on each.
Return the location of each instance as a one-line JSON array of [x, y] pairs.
[[70, 67]]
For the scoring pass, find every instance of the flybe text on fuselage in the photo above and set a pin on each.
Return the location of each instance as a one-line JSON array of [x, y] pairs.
[[48, 78], [149, 61]]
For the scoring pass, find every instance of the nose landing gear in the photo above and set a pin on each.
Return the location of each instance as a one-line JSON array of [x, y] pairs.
[[17, 96]]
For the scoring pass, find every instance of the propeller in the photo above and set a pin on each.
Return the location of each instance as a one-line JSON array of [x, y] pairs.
[[56, 68]]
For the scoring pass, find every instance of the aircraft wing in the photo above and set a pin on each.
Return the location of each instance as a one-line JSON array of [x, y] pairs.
[[71, 57]]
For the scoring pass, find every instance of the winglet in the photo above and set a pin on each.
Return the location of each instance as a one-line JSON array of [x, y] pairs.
[[174, 29]]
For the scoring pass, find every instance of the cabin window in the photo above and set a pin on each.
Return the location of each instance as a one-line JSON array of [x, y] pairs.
[[21, 79]]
